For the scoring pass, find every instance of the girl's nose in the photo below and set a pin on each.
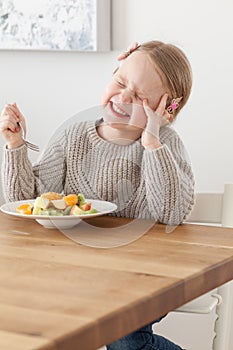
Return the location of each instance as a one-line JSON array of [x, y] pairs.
[[126, 96]]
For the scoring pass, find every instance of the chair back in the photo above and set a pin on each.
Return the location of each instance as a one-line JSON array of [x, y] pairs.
[[207, 208], [215, 209]]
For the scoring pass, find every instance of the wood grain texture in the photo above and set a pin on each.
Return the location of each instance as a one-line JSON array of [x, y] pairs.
[[57, 295], [12, 341]]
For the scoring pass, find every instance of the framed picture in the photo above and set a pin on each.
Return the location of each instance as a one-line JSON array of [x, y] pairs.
[[67, 25]]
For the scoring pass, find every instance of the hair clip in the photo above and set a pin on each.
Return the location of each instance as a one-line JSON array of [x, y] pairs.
[[174, 104], [134, 46]]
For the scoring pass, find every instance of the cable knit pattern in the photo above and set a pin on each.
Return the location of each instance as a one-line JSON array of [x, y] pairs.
[[151, 184]]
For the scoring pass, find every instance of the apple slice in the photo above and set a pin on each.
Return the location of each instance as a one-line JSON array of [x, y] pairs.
[[58, 203], [75, 210], [42, 202]]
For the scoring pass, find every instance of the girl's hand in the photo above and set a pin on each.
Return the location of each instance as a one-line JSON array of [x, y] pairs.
[[9, 126], [131, 48], [155, 120]]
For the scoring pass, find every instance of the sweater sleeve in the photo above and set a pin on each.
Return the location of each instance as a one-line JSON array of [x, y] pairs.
[[22, 180], [169, 181]]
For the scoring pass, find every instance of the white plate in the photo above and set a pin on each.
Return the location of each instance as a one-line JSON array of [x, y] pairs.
[[60, 222]]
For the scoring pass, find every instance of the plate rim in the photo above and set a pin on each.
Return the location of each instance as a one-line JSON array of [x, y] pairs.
[[52, 217]]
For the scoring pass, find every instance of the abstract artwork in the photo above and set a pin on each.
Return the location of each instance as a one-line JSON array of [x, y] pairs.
[[68, 25]]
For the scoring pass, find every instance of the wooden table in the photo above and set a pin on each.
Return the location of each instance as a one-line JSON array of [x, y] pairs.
[[59, 295]]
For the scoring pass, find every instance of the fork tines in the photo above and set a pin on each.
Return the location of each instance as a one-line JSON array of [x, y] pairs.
[[29, 145]]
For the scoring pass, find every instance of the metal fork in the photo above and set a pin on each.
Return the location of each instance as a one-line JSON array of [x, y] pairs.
[[29, 145]]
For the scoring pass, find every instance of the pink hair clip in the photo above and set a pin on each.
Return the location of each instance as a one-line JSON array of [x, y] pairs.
[[174, 104], [134, 46]]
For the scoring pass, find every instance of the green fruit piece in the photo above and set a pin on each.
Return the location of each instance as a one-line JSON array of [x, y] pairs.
[[81, 199]]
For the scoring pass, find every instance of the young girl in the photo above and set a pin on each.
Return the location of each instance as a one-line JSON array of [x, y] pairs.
[[131, 155]]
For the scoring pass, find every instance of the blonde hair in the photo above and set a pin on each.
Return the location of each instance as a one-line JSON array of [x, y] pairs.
[[174, 69]]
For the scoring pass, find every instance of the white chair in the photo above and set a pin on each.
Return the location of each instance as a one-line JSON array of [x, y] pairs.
[[208, 210]]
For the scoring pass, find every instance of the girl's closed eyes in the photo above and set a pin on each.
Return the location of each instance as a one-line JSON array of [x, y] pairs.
[[120, 82]]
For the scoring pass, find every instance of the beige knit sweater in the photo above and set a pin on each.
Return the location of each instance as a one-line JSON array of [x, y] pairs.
[[153, 184]]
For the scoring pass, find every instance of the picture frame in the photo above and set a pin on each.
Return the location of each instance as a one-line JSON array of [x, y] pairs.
[[54, 25]]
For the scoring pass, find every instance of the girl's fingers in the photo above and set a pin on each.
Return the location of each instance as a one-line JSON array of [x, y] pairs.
[[145, 103], [162, 105], [152, 120], [133, 46], [160, 116], [6, 125], [160, 110], [17, 109], [9, 119], [13, 110], [19, 116], [166, 118], [147, 108], [9, 113]]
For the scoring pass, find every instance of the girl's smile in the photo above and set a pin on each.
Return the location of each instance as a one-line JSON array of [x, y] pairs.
[[118, 110]]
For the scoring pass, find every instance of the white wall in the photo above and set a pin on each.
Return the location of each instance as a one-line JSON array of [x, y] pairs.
[[50, 87]]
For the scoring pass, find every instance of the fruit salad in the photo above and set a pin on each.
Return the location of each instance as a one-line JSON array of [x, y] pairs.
[[56, 204]]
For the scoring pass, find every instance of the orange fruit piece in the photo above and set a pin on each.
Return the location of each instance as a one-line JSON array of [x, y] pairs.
[[71, 199], [24, 209]]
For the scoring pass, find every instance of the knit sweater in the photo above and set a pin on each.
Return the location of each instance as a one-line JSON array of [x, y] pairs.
[[150, 184]]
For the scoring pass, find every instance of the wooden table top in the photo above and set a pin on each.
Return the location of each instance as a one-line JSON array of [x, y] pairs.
[[56, 294]]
